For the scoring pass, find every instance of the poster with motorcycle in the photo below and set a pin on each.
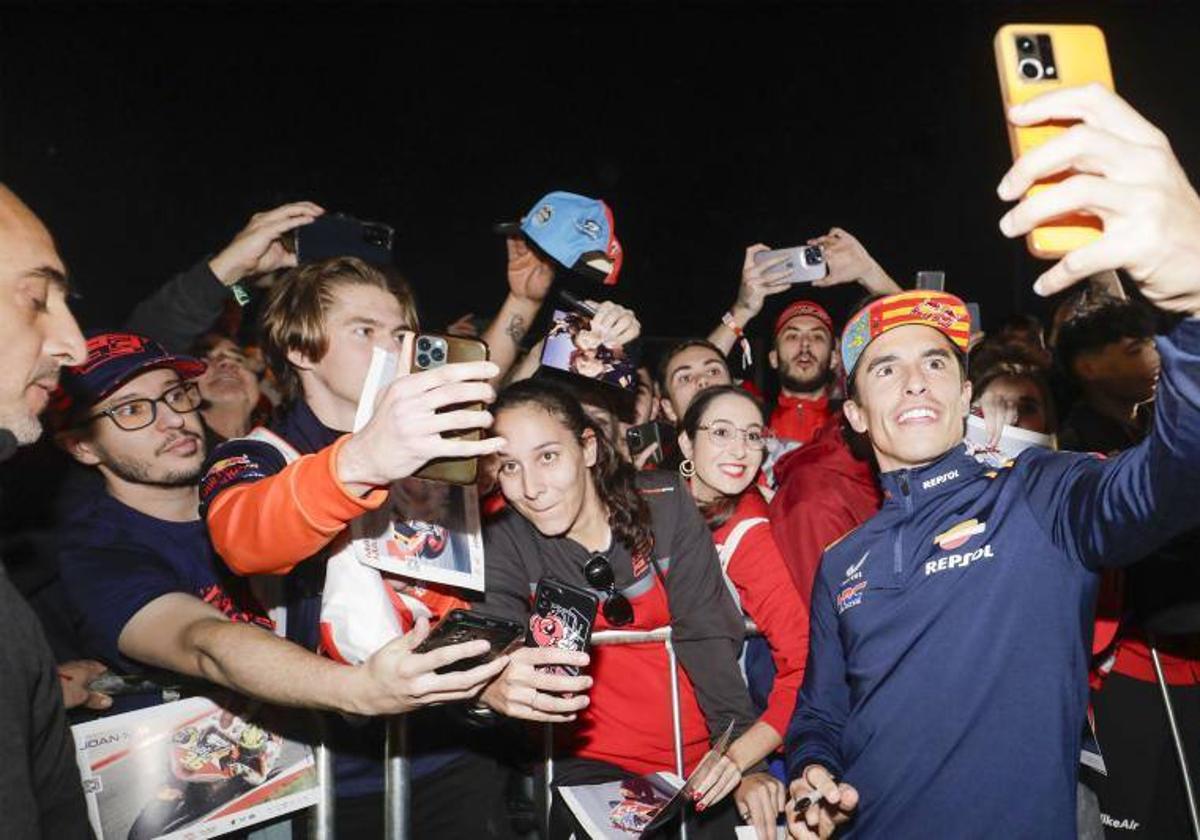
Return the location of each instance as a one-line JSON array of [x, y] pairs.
[[192, 769], [428, 530]]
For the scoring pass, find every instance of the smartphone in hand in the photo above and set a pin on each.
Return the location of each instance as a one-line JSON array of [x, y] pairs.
[[430, 351], [563, 616], [1036, 58], [466, 626], [802, 264]]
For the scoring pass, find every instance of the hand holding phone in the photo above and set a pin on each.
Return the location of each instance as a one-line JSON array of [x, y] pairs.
[[459, 626], [407, 430], [339, 235], [563, 616], [1034, 59], [802, 264], [1151, 211]]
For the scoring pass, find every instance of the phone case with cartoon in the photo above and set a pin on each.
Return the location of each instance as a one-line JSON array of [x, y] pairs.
[[563, 616]]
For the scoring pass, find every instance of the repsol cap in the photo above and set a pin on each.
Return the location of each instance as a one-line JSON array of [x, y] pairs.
[[574, 230]]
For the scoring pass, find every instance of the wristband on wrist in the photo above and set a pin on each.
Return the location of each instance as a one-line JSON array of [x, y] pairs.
[[740, 335]]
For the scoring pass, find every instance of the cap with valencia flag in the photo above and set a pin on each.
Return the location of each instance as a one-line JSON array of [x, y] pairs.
[[940, 310]]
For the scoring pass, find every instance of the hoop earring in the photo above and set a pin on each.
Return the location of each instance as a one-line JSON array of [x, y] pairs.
[[687, 469]]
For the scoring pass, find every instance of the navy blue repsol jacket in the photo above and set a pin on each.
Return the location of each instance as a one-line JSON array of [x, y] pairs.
[[951, 633]]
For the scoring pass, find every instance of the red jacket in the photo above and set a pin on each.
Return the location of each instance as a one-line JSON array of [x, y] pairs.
[[800, 419], [825, 491], [769, 598]]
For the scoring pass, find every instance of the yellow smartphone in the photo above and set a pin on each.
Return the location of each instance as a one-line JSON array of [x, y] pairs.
[[1032, 59], [430, 351]]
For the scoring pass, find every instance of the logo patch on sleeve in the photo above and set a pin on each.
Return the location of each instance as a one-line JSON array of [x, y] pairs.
[[226, 472]]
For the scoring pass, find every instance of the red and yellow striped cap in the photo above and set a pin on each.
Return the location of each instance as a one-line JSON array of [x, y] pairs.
[[944, 312]]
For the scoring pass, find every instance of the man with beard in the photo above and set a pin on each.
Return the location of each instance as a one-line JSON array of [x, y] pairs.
[[40, 794], [137, 565], [803, 350], [803, 356]]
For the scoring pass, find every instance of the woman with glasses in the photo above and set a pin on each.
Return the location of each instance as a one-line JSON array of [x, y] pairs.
[[580, 514], [723, 441]]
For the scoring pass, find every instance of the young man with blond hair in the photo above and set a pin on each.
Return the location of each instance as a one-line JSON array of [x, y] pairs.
[[276, 501]]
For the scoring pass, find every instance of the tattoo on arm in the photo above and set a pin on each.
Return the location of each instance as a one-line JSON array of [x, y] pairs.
[[516, 328]]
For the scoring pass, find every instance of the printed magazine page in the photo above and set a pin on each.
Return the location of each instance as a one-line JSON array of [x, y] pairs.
[[428, 530], [191, 769], [621, 810], [1013, 441], [639, 804]]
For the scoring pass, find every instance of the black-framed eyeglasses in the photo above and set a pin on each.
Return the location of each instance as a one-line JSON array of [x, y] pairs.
[[722, 433], [140, 413], [599, 573]]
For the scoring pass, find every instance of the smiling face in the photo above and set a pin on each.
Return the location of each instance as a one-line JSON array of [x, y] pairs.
[[167, 453], [228, 379], [911, 397], [803, 355], [40, 334], [726, 461], [544, 468]]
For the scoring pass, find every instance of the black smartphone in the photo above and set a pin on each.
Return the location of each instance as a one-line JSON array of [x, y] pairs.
[[339, 235], [563, 616], [642, 437], [466, 626]]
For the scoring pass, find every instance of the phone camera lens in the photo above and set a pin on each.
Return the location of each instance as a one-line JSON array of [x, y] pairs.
[[422, 360], [1030, 68], [437, 354], [812, 255], [1025, 45], [424, 344]]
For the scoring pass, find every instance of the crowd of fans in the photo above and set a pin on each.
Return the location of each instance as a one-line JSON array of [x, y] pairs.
[[928, 614]]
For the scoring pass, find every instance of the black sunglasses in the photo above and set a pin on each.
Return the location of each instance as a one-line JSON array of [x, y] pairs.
[[599, 573]]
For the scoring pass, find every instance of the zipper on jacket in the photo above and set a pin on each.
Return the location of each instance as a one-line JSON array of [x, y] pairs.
[[898, 551]]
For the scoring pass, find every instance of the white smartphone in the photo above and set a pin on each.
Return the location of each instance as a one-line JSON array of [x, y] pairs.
[[802, 264]]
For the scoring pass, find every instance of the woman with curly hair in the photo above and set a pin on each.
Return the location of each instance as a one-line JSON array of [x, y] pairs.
[[580, 514]]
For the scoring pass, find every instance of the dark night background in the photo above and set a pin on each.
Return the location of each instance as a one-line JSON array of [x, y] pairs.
[[146, 135]]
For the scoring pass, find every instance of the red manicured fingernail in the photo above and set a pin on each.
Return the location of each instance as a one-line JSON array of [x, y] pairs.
[[700, 806]]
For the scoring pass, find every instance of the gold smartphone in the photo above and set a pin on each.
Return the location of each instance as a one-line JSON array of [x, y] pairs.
[[431, 351], [1032, 59]]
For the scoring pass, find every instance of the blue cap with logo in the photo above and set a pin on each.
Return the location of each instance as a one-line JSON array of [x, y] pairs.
[[113, 358], [574, 230]]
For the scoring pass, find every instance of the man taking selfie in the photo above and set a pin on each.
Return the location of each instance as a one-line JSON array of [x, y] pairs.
[[275, 504], [946, 686]]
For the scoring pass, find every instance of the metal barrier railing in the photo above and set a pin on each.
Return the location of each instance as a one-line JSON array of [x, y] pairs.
[[630, 637], [397, 786], [321, 818]]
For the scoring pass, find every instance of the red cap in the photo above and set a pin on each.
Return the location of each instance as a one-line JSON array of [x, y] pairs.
[[803, 307]]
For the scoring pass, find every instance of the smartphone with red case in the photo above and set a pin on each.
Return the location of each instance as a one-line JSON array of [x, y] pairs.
[[563, 616]]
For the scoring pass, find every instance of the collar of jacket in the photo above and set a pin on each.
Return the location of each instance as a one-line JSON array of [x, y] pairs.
[[301, 428], [912, 487]]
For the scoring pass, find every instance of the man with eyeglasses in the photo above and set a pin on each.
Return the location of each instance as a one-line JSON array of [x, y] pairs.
[[136, 562]]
